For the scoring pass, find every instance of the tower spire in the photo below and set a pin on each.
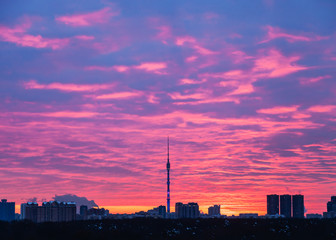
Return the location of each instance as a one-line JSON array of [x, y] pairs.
[[168, 178]]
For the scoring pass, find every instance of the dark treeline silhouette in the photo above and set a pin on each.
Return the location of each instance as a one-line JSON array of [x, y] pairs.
[[173, 229]]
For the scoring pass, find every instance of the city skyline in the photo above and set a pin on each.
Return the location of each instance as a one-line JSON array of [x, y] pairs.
[[89, 91]]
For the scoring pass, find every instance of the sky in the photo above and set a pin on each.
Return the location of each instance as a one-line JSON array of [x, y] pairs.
[[90, 90]]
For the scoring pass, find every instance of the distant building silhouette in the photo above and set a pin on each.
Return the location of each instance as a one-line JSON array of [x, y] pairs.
[[179, 211], [98, 213], [214, 210], [286, 205], [83, 212], [162, 211], [159, 211], [331, 205], [190, 210], [313, 216], [298, 206], [248, 215], [7, 210], [331, 208], [52, 211], [272, 204]]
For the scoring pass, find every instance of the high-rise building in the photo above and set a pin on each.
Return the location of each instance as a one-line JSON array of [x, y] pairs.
[[30, 211], [333, 199], [331, 208], [214, 210], [193, 210], [162, 211], [52, 211], [179, 210], [7, 210], [190, 210], [83, 210], [286, 205], [272, 204], [298, 206], [168, 178]]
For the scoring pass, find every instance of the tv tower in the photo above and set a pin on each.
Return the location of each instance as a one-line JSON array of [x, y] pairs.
[[168, 179]]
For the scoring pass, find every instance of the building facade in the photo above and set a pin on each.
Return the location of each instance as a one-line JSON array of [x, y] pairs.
[[7, 210], [52, 211], [298, 206], [214, 210], [83, 212], [331, 208], [190, 210], [286, 205], [272, 204]]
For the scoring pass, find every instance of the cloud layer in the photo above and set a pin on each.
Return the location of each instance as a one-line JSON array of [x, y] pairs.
[[90, 91]]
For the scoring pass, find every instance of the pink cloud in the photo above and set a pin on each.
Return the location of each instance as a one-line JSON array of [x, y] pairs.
[[239, 56], [322, 108], [19, 36], [274, 64], [314, 80], [151, 66], [191, 59], [278, 110], [68, 114], [233, 74], [275, 32], [186, 39], [243, 89], [270, 64], [204, 51], [108, 69], [154, 67], [185, 81], [300, 115], [200, 97], [179, 96], [85, 37], [192, 43], [165, 33], [67, 87], [88, 19], [119, 95]]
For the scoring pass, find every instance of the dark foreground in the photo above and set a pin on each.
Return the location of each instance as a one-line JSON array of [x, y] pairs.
[[173, 229]]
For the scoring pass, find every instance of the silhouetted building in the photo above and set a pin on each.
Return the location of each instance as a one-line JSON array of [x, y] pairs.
[[179, 211], [272, 204], [159, 211], [52, 211], [190, 210], [298, 206], [286, 205], [97, 213], [313, 216], [331, 205], [162, 211], [7, 210], [331, 208], [214, 210], [248, 215], [29, 211], [83, 212]]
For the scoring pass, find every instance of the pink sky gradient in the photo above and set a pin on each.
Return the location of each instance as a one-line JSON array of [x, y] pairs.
[[90, 91]]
